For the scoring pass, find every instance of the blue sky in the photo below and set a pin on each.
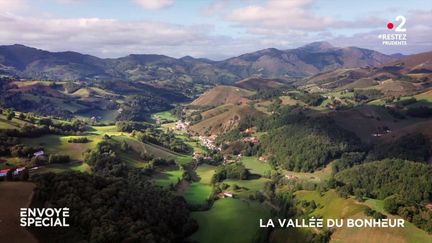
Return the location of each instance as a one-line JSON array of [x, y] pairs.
[[214, 29]]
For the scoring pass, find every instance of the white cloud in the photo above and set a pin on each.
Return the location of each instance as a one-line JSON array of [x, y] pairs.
[[12, 5], [154, 4]]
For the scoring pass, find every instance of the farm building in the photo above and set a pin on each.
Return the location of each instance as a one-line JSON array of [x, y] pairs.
[[39, 153]]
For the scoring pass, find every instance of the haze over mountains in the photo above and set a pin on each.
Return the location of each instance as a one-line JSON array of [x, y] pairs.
[[27, 62]]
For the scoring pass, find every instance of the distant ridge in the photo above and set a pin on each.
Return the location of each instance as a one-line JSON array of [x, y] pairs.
[[32, 63]]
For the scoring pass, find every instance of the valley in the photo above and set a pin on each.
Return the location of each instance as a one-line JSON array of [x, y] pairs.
[[256, 140]]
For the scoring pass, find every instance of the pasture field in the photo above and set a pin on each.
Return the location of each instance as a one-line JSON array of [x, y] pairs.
[[197, 193], [230, 220], [14, 195], [165, 117], [168, 177], [58, 168], [55, 144], [247, 187], [205, 172], [316, 176], [256, 166]]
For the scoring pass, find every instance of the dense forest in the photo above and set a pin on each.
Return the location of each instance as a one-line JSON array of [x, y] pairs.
[[114, 209], [311, 143], [405, 187]]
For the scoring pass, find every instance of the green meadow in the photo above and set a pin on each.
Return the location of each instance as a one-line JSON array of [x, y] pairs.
[[230, 220], [168, 177], [198, 193], [165, 116], [255, 166]]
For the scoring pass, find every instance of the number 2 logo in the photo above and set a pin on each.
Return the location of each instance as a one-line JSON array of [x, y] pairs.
[[400, 27]]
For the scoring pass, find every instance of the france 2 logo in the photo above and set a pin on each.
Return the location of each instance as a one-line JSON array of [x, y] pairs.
[[400, 28]]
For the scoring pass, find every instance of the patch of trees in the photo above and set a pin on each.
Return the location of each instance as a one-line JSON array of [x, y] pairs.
[[113, 209], [129, 126], [44, 129], [78, 140], [104, 161], [420, 111], [415, 147], [167, 140], [230, 171], [42, 106], [374, 214], [405, 187], [266, 94], [367, 94], [58, 159], [312, 99]]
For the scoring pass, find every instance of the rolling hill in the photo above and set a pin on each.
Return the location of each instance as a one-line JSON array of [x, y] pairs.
[[222, 119], [223, 94], [409, 74]]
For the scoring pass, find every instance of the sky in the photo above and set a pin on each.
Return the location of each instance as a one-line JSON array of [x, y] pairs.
[[214, 29]]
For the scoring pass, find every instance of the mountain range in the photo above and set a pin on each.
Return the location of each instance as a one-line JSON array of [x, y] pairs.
[[30, 63]]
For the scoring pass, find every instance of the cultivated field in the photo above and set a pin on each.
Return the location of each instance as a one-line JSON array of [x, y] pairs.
[[14, 195]]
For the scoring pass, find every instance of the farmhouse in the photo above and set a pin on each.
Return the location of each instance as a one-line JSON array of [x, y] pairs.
[[225, 194], [253, 140], [39, 153]]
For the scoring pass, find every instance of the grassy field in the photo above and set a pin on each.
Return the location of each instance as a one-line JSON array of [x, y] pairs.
[[316, 177], [230, 220], [205, 172], [168, 177], [255, 166], [248, 187], [58, 168], [165, 116], [55, 144], [330, 205], [14, 195], [197, 193]]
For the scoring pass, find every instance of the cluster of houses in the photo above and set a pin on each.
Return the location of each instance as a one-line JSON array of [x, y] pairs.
[[182, 125], [209, 142]]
